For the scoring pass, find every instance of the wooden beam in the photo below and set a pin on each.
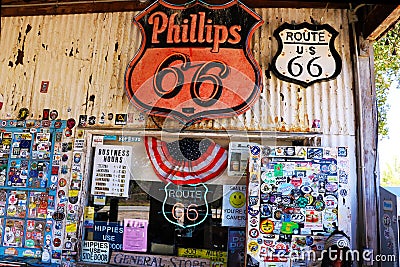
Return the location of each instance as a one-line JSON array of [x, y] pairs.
[[379, 21], [54, 7]]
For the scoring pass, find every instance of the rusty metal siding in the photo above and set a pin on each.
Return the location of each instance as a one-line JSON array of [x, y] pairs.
[[84, 58]]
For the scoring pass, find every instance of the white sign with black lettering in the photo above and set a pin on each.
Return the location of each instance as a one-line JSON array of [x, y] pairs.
[[94, 251], [111, 173], [306, 53]]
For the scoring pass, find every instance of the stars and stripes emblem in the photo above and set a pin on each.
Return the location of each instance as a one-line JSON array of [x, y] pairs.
[[186, 161]]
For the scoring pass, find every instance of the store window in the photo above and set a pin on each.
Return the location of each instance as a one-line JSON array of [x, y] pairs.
[[178, 219]]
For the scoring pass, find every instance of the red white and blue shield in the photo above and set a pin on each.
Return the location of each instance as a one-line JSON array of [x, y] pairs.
[[194, 61]]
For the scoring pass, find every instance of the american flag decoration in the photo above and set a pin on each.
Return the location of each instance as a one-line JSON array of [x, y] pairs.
[[186, 161]]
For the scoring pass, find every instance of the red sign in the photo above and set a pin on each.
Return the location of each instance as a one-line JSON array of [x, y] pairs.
[[194, 62]]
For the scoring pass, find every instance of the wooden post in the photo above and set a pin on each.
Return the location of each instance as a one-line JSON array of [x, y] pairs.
[[366, 151]]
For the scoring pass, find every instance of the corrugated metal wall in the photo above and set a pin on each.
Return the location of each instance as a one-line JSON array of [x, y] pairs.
[[84, 58]]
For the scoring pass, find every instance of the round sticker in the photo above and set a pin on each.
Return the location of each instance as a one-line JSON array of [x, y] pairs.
[[343, 192], [265, 188], [53, 114], [331, 202], [255, 150], [68, 132], [62, 182], [267, 226], [73, 200], [61, 193], [253, 232], [319, 205], [57, 242], [253, 247], [64, 157], [68, 245]]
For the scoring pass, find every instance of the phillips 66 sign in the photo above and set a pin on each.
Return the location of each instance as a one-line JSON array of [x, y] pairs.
[[194, 61], [306, 53]]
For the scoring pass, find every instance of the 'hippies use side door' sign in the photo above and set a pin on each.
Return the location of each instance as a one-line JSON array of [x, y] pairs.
[[306, 53], [194, 62]]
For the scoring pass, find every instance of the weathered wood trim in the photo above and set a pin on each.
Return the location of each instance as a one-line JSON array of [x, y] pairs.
[[366, 150], [379, 21], [60, 7]]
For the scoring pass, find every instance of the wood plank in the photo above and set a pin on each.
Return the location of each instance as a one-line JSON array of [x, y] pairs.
[[380, 21], [367, 153], [54, 7]]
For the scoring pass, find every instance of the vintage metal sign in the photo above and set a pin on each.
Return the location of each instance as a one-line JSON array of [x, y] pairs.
[[306, 53], [194, 61]]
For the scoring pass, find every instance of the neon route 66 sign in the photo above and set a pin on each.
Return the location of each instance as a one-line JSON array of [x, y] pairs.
[[185, 206], [306, 53]]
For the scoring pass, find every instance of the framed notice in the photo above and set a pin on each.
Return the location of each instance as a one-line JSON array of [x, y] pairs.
[[111, 170]]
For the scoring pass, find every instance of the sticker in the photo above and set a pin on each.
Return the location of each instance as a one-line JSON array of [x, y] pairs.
[[61, 193], [70, 123], [110, 116], [56, 242], [278, 214], [120, 119], [296, 181], [73, 200], [255, 150], [253, 232], [253, 247], [92, 120], [297, 217], [331, 202], [267, 226], [285, 188], [57, 124], [58, 216], [68, 132], [331, 187], [46, 123], [102, 118], [265, 188], [62, 182], [289, 151], [343, 192], [64, 157], [319, 205], [253, 200], [253, 221], [53, 114], [302, 202], [252, 211], [266, 211], [342, 152], [82, 120]]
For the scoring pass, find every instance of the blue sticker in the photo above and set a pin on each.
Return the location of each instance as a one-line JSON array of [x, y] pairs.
[[255, 150], [252, 211]]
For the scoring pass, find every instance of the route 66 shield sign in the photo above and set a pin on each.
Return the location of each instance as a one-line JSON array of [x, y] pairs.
[[306, 53], [194, 61]]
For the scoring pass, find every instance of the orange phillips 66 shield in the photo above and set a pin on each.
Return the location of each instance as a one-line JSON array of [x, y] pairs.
[[194, 61]]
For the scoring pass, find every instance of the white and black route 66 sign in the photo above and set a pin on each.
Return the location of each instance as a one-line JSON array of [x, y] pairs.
[[306, 53]]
